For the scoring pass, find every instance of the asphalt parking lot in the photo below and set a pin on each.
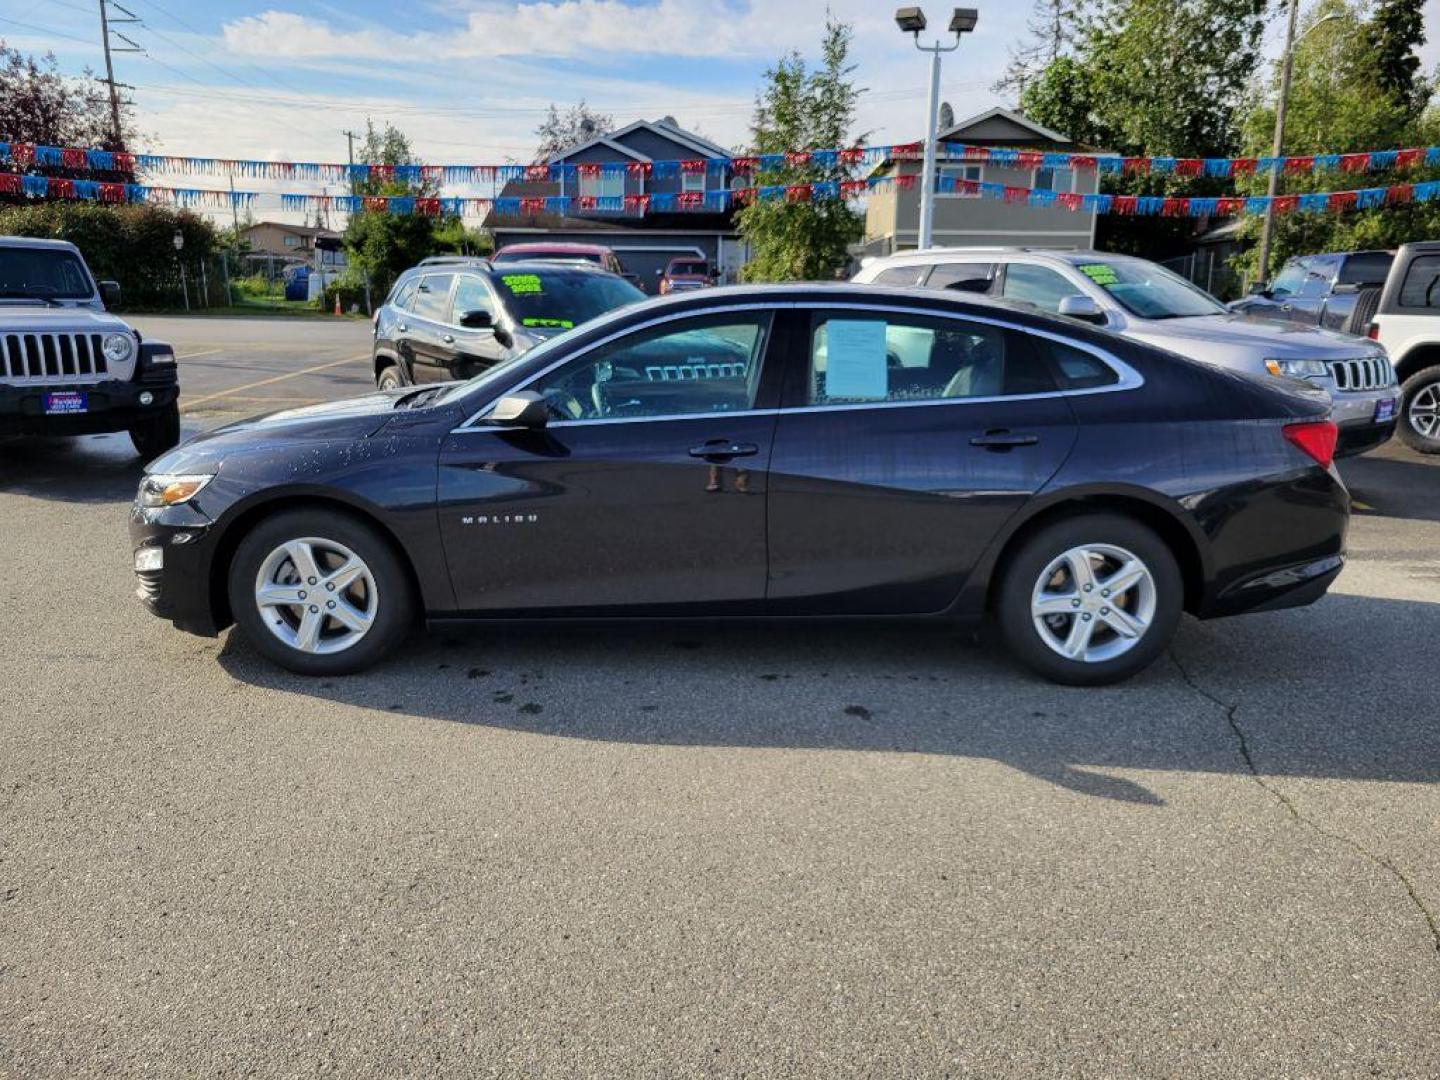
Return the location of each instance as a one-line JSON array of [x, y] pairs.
[[851, 851]]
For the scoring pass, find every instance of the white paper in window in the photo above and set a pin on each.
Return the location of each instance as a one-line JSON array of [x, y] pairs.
[[855, 359]]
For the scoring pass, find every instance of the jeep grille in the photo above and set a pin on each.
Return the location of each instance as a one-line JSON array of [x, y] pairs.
[[1371, 373]]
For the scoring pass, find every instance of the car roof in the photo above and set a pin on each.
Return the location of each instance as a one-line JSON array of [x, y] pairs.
[[37, 242], [951, 254], [485, 268], [530, 247]]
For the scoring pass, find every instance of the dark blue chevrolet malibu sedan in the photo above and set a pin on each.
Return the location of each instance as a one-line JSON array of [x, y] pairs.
[[777, 451]]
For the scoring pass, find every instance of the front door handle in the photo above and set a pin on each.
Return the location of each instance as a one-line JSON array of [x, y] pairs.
[[723, 450], [449, 339], [1000, 439], [401, 327]]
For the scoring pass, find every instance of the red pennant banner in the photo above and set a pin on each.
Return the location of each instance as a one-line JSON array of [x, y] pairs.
[[637, 202], [537, 172], [692, 168], [10, 184], [74, 159], [1016, 194], [1068, 199], [744, 164], [1084, 161], [377, 204], [61, 188], [797, 193], [1353, 163], [797, 159], [975, 153], [22, 153], [1340, 200], [385, 174], [532, 205], [742, 196], [1286, 204], [587, 202], [1189, 167], [853, 155], [429, 207], [851, 188], [1243, 166], [689, 200], [1175, 207], [1123, 205], [908, 151], [1300, 164], [1027, 159], [906, 181], [638, 168], [589, 169], [1400, 193], [112, 193], [1229, 205], [1408, 159], [1136, 165]]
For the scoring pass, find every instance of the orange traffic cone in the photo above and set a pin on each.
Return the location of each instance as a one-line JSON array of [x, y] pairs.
[[337, 302]]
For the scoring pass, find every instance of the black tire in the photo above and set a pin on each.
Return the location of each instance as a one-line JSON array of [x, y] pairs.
[[1426, 383], [1367, 302], [1021, 576], [157, 434], [394, 597], [389, 378]]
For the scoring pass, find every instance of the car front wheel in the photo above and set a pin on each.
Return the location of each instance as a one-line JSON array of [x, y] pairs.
[[1090, 600], [1420, 411], [389, 378], [320, 593], [156, 434]]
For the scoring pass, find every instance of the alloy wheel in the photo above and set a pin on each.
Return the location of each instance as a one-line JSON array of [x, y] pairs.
[[316, 595], [1424, 411], [1093, 602]]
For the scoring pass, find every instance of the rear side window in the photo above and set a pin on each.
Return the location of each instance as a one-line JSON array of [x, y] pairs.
[[1422, 283], [961, 277], [432, 297], [1076, 369], [859, 358], [899, 275], [1368, 268]]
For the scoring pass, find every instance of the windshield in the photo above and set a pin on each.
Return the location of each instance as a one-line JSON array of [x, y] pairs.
[[689, 268], [559, 299], [43, 274], [1151, 291]]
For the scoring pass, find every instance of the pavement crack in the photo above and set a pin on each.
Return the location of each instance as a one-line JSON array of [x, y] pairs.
[[1230, 710]]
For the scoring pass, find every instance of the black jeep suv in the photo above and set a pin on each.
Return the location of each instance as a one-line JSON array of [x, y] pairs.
[[453, 317]]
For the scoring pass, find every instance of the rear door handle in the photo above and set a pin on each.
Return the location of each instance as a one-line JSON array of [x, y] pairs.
[[1004, 440], [723, 449], [449, 339], [401, 327]]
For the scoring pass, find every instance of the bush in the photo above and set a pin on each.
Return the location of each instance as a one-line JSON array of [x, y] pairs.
[[350, 287], [133, 245]]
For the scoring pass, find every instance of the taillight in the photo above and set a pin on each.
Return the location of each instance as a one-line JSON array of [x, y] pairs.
[[1373, 331], [1316, 437]]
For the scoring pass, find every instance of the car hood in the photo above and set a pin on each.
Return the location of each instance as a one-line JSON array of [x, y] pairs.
[[349, 418], [1232, 333], [20, 318]]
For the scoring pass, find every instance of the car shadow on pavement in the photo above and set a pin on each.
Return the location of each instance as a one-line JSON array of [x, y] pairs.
[[1391, 486], [1315, 692], [80, 469]]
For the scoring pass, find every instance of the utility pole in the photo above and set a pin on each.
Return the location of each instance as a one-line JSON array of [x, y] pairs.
[[105, 21]]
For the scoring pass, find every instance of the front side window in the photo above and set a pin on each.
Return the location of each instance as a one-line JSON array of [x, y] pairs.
[[708, 364], [1422, 283], [432, 297], [36, 272], [900, 275], [470, 295], [405, 294], [1038, 285], [859, 358]]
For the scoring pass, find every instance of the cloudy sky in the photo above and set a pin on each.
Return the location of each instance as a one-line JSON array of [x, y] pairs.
[[470, 79]]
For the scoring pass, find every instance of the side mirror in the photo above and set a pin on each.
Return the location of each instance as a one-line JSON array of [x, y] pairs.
[[1083, 308], [110, 293], [1347, 288], [477, 320], [523, 409]]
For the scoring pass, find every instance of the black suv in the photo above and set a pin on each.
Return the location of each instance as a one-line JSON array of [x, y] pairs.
[[452, 317]]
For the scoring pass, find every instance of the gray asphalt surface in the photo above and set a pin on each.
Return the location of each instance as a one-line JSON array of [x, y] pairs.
[[853, 851]]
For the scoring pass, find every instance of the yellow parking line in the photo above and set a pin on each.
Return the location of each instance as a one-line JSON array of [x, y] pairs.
[[273, 379]]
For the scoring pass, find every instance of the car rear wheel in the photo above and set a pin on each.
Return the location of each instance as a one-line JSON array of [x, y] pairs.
[[157, 434], [389, 378], [320, 593], [1090, 600], [1420, 411]]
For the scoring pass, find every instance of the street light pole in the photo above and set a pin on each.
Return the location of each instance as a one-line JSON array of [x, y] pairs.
[[1287, 64], [912, 20]]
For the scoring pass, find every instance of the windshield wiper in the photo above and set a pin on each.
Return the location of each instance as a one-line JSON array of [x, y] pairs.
[[11, 294]]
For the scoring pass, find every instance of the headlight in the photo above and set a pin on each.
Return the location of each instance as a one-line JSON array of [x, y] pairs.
[[118, 347], [159, 489], [1298, 369]]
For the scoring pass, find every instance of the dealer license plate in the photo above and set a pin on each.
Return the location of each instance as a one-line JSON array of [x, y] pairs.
[[1384, 410], [66, 401]]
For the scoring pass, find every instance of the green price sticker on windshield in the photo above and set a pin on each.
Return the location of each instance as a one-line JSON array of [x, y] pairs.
[[520, 284], [543, 324], [1100, 273]]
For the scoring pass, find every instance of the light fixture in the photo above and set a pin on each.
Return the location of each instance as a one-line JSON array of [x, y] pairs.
[[910, 19], [178, 240], [963, 20]]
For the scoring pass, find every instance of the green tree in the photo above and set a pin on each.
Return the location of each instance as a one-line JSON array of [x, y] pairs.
[[1395, 32], [1342, 98], [560, 131], [803, 109], [40, 105]]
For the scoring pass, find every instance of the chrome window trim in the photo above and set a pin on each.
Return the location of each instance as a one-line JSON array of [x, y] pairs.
[[1127, 377]]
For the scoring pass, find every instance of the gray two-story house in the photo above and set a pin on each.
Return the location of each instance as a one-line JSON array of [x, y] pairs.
[[645, 242], [892, 213]]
